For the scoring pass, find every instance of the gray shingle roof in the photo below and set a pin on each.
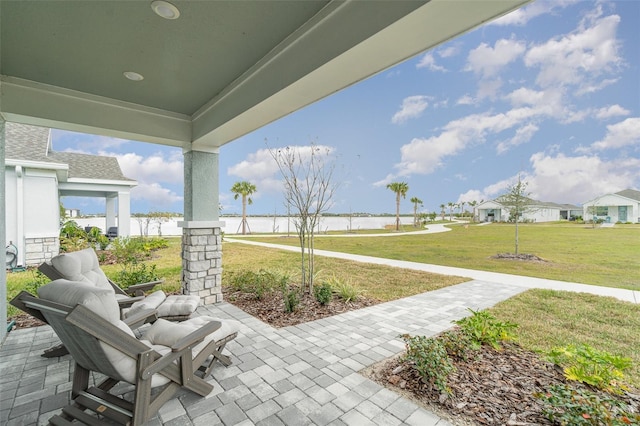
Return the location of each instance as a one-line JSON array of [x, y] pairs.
[[24, 142], [630, 193]]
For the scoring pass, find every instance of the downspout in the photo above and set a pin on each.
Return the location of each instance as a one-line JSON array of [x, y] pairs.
[[20, 214]]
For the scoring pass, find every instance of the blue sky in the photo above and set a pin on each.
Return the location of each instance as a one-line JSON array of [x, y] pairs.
[[551, 91]]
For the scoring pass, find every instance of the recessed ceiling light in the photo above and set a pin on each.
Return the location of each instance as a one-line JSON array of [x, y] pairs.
[[133, 76], [165, 10]]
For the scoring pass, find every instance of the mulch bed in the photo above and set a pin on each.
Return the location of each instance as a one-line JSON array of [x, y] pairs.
[[525, 257], [492, 388], [270, 308]]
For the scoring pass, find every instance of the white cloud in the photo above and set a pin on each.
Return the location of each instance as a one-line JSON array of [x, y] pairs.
[[449, 51], [487, 61], [425, 155], [619, 135], [611, 111], [429, 62], [523, 15], [565, 179], [257, 166], [155, 168], [412, 107], [155, 194], [387, 180], [596, 86], [262, 170], [466, 100], [578, 58], [523, 135], [150, 172]]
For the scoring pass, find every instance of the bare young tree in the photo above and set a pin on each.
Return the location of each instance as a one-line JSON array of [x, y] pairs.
[[518, 202], [308, 186], [144, 221], [158, 218]]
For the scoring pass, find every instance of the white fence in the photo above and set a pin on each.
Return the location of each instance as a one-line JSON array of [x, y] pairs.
[[257, 225]]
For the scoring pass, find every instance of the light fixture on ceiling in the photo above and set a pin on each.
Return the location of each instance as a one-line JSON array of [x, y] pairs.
[[133, 76], [165, 10]]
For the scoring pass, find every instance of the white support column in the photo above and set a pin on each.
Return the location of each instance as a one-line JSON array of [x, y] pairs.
[[201, 230], [3, 236], [110, 212], [124, 214]]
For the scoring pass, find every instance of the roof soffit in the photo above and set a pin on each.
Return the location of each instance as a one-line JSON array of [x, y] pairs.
[[221, 70]]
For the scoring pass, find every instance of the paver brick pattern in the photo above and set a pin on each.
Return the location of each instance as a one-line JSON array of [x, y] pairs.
[[304, 374]]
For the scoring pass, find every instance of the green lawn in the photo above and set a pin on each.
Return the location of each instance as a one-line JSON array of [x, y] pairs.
[[545, 318], [602, 256]]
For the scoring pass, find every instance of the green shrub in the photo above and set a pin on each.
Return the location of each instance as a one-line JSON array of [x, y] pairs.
[[38, 280], [586, 364], [127, 250], [565, 405], [429, 358], [484, 328], [136, 273], [457, 344], [323, 293], [291, 298]]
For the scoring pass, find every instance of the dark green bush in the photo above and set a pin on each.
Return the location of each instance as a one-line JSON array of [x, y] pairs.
[[323, 293], [429, 358]]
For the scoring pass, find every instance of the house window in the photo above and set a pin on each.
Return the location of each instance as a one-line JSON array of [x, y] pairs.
[[602, 211]]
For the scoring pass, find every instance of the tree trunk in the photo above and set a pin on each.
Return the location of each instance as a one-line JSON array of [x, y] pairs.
[[244, 214], [516, 235], [398, 211]]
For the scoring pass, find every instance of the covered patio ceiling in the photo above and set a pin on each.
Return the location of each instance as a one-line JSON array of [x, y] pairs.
[[220, 70]]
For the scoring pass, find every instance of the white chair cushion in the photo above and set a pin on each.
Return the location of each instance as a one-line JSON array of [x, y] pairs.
[[167, 333], [177, 305], [151, 301], [72, 293], [83, 266]]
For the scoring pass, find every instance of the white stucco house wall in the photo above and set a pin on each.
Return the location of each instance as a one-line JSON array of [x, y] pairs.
[[623, 206], [540, 211], [36, 177]]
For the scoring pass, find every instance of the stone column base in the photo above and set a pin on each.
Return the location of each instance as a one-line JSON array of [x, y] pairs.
[[38, 250], [202, 260]]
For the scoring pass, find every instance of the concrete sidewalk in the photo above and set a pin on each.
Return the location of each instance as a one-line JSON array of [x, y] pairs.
[[495, 277]]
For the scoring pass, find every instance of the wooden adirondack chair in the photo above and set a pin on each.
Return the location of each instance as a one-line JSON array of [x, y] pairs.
[[166, 357]]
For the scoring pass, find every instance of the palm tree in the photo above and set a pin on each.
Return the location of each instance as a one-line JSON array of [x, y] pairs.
[[245, 189], [416, 201], [442, 210], [462, 203], [473, 205], [451, 205], [400, 188]]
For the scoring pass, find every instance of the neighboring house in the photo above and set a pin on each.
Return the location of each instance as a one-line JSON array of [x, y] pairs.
[[623, 206], [538, 211], [35, 179]]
